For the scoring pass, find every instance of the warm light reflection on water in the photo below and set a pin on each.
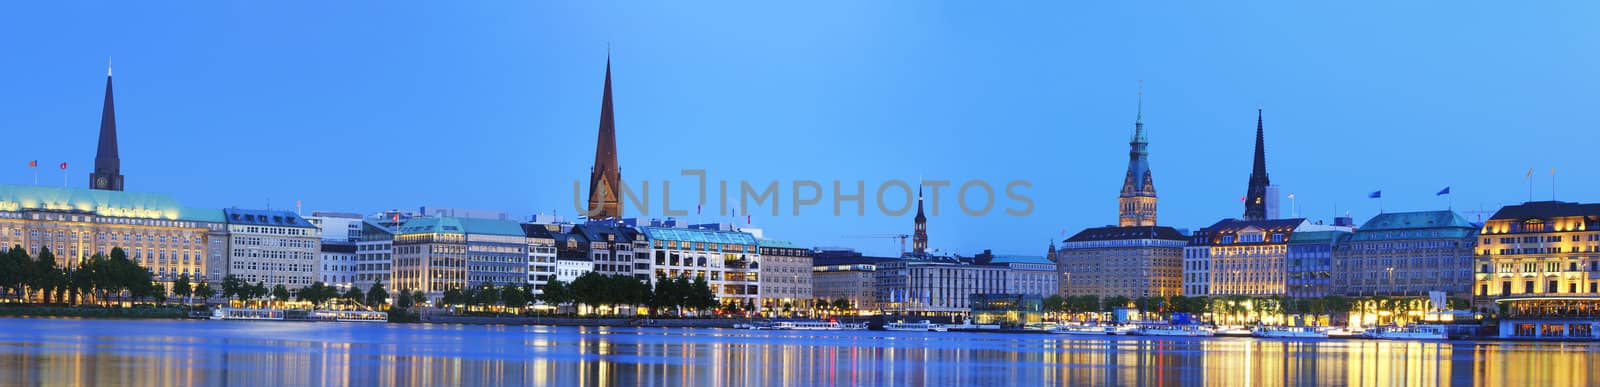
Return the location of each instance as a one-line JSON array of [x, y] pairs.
[[208, 353]]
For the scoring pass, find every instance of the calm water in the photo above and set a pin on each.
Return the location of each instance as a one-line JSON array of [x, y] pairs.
[[209, 353]]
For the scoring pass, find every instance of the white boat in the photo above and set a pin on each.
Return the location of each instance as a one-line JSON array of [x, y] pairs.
[[1343, 333], [1173, 330], [967, 325], [1409, 332], [819, 326], [920, 326], [350, 316], [1120, 330], [1233, 331], [1285, 332], [1083, 330], [247, 314]]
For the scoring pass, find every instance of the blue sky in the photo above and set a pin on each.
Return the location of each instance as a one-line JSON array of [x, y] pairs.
[[365, 106]]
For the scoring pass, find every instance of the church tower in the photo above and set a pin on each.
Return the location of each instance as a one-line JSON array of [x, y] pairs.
[[1255, 204], [1137, 203], [107, 173], [605, 177], [919, 234]]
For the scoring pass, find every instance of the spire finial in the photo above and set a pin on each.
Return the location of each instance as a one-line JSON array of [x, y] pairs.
[[1139, 118], [108, 66]]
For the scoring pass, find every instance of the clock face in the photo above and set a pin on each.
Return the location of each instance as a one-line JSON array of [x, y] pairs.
[[100, 181]]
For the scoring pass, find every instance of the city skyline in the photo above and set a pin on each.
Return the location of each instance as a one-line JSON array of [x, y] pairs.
[[1074, 164]]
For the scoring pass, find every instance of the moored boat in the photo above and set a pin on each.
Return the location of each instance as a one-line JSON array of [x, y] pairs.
[[819, 326], [919, 326], [1173, 330], [1288, 332], [247, 314], [1409, 332]]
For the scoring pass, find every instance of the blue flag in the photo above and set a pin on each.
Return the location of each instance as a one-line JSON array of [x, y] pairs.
[[1375, 194], [1445, 191]]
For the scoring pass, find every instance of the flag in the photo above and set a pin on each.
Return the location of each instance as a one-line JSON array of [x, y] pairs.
[[1552, 171], [697, 209], [747, 219], [63, 165], [1241, 199], [1445, 191], [1530, 173], [1291, 195], [1375, 194], [33, 164]]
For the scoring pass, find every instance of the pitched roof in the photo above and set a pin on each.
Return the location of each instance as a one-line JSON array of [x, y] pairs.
[[1545, 209], [276, 218], [1234, 225], [1415, 220], [1310, 237], [1114, 233]]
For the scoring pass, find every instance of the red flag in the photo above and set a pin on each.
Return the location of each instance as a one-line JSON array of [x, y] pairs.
[[33, 164], [63, 165], [1241, 199]]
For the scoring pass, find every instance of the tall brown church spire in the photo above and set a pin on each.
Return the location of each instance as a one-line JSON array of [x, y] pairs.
[[605, 177], [107, 173]]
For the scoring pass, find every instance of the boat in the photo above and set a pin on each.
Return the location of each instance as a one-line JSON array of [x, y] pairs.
[[350, 316], [247, 314], [967, 325], [1083, 330], [920, 326], [1173, 330], [819, 326], [1344, 333], [1288, 332], [1409, 332], [1233, 331]]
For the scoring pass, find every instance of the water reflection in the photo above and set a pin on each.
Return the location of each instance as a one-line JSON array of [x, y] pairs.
[[206, 353]]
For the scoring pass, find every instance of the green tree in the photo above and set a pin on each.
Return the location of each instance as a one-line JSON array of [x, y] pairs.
[[588, 290], [181, 287], [1055, 304], [354, 295], [204, 291], [513, 296], [376, 295], [1114, 302], [419, 297], [555, 294], [404, 301], [280, 293], [841, 304], [232, 287]]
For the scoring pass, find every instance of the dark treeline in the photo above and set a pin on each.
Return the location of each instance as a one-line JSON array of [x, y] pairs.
[[670, 296], [99, 278]]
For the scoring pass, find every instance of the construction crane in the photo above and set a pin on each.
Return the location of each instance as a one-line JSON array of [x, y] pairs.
[[901, 237]]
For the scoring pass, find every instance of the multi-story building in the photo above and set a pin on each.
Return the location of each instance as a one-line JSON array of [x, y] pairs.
[[1539, 260], [730, 261], [612, 249], [853, 282], [75, 224], [785, 275], [929, 287], [1240, 257], [1144, 261], [1310, 262], [1135, 258], [541, 253], [1407, 254], [436, 254], [337, 226], [272, 247], [375, 256], [338, 264]]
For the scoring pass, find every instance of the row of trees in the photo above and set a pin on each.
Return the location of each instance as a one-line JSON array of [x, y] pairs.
[[100, 277], [669, 295]]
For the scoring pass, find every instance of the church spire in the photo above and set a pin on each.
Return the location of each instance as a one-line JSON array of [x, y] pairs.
[[605, 177], [919, 232], [107, 173], [1137, 203], [1255, 205]]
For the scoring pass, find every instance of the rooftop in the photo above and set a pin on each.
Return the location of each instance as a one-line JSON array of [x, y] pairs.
[[1114, 233], [691, 235], [448, 225], [1545, 209], [120, 204], [1415, 220], [265, 218]]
